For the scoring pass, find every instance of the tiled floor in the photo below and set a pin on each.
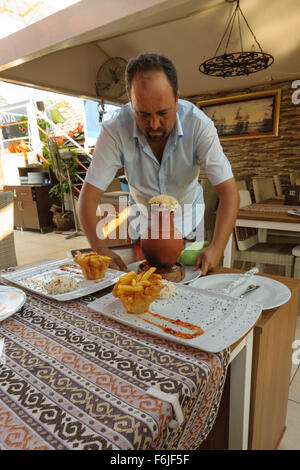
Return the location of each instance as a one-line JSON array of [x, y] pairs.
[[291, 438], [32, 246]]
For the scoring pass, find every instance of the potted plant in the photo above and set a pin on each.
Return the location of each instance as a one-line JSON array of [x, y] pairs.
[[63, 219]]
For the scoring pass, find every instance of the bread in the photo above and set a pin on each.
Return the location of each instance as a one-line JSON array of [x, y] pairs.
[[163, 200]]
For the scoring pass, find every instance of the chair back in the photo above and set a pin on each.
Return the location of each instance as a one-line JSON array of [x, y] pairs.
[[294, 175], [278, 186], [245, 197], [241, 184], [263, 188], [211, 200], [7, 245], [246, 237]]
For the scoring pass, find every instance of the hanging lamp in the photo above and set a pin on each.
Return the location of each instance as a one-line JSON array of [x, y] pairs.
[[234, 64]]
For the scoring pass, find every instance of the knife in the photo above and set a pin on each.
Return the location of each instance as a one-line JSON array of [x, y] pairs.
[[240, 280]]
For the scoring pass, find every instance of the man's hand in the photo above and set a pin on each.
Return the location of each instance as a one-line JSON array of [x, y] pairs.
[[116, 260], [207, 259]]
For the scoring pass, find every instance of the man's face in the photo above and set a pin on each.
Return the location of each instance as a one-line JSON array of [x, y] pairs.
[[154, 105]]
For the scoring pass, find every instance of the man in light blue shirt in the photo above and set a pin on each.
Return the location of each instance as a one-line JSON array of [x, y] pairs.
[[160, 141]]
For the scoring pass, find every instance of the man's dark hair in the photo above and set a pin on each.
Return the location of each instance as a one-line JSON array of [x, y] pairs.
[[146, 62]]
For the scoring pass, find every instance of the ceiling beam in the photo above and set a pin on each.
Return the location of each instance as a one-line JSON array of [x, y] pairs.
[[83, 22]]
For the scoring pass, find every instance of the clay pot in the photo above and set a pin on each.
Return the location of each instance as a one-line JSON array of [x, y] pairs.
[[162, 242]]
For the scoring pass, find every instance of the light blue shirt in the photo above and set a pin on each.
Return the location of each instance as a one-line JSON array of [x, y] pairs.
[[193, 141]]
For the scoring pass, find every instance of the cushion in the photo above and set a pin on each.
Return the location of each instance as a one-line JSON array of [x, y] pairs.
[[296, 250]]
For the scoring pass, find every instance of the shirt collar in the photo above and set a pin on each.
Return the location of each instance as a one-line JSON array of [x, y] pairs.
[[136, 132], [178, 126]]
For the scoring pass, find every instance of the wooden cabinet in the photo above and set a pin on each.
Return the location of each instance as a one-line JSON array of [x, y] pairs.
[[32, 207], [273, 335]]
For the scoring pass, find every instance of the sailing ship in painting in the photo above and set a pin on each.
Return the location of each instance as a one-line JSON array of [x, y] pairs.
[[242, 117]]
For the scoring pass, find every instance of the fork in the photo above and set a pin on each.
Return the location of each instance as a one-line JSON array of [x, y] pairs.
[[185, 283], [249, 289]]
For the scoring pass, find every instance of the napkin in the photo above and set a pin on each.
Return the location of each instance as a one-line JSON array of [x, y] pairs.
[[189, 254], [240, 280], [171, 398]]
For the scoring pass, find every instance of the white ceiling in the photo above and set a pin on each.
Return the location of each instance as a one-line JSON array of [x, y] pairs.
[[17, 14], [187, 31]]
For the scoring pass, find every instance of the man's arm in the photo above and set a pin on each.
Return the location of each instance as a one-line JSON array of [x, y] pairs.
[[90, 198], [227, 212]]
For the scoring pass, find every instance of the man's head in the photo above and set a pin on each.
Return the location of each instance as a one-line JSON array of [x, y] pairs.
[[151, 82]]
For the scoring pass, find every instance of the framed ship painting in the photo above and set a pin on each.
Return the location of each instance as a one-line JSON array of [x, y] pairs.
[[244, 116]]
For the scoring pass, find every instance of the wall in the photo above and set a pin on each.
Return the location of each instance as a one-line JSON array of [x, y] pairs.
[[9, 164], [272, 155]]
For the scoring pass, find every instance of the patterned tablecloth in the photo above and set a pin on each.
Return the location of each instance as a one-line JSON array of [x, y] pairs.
[[72, 379]]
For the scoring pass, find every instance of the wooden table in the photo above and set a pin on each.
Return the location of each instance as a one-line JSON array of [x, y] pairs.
[[273, 336], [270, 372], [270, 214], [73, 379]]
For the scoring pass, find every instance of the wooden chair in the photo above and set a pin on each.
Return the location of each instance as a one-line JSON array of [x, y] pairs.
[[294, 175], [7, 245], [241, 184], [296, 254], [277, 184], [245, 197], [263, 188], [246, 247], [211, 201]]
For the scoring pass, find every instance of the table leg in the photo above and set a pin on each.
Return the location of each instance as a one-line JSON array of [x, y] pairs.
[[240, 389], [262, 234], [228, 253]]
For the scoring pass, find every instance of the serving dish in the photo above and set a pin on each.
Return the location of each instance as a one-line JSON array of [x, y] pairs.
[[34, 278], [271, 293], [11, 300], [223, 318]]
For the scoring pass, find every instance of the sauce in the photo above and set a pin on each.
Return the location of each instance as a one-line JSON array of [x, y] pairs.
[[72, 268], [179, 334]]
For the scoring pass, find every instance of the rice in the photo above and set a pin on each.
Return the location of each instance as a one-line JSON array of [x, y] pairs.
[[168, 291], [61, 284]]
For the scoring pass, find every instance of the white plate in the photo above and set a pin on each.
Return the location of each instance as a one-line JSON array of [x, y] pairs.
[[34, 277], [11, 300], [223, 318], [270, 294], [294, 212], [190, 274]]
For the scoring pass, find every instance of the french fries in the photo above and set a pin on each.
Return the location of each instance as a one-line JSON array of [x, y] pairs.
[[92, 264], [138, 291], [127, 277], [148, 273]]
